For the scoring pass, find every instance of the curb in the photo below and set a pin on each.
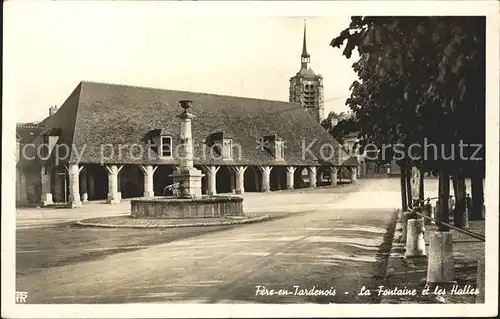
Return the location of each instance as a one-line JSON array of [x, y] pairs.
[[396, 253], [233, 222]]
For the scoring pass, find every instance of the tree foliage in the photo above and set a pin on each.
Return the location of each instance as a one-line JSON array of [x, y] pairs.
[[419, 77]]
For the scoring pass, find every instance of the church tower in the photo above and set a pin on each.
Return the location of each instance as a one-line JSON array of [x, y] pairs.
[[306, 87]]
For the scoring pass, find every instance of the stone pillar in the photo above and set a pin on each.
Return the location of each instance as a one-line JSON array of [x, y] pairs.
[[415, 244], [440, 264], [333, 175], [187, 177], [240, 179], [74, 185], [211, 172], [354, 174], [148, 171], [312, 176], [290, 174], [83, 186], [46, 177], [266, 178], [114, 196]]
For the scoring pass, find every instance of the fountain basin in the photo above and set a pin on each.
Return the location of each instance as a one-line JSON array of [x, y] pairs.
[[171, 207]]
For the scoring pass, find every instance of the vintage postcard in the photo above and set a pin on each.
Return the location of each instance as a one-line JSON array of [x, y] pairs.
[[250, 159]]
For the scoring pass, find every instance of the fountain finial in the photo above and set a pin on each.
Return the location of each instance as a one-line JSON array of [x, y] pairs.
[[186, 104]]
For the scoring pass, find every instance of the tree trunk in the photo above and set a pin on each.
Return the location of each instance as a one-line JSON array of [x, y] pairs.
[[454, 180], [404, 201], [477, 198], [421, 190], [459, 189], [444, 194], [408, 187]]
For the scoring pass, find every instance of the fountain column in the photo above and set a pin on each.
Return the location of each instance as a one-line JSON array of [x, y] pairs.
[[187, 178]]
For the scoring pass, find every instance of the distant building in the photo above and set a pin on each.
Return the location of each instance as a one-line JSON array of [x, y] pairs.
[[351, 144], [368, 167], [306, 87]]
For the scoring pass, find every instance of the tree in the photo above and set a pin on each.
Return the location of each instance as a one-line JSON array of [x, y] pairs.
[[340, 124], [416, 84], [332, 119]]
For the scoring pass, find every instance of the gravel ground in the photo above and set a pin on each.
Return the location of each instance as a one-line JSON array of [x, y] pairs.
[[64, 244]]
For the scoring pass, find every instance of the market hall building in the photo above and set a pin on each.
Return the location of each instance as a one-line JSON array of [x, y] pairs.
[[122, 142], [109, 142]]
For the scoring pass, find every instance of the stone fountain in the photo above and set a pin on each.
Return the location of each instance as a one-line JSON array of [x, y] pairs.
[[189, 202]]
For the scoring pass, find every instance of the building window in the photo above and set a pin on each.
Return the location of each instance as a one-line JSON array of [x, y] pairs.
[[279, 150], [227, 149], [166, 146]]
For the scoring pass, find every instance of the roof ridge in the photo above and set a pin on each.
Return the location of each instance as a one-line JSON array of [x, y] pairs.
[[183, 91], [28, 125]]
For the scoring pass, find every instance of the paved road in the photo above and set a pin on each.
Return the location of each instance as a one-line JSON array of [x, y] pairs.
[[334, 244]]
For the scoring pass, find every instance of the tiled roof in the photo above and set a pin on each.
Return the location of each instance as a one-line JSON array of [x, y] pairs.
[[351, 161], [99, 116], [27, 132], [307, 73]]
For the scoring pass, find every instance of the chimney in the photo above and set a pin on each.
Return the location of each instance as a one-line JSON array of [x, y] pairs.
[[52, 110]]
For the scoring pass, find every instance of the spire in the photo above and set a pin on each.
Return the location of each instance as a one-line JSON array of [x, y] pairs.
[[304, 44], [305, 58]]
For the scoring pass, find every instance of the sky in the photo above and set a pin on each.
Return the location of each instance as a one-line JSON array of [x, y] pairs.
[[57, 46]]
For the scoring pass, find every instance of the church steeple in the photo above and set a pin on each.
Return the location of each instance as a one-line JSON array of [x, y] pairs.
[[306, 87], [305, 58]]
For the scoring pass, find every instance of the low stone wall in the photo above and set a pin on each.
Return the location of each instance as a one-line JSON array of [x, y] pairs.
[[216, 206]]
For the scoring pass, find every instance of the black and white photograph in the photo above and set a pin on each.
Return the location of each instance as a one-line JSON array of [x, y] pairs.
[[250, 159]]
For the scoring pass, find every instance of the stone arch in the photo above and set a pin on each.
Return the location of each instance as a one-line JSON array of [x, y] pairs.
[[131, 181], [223, 180], [252, 179], [97, 181], [298, 177], [162, 179], [60, 184], [277, 178], [323, 175]]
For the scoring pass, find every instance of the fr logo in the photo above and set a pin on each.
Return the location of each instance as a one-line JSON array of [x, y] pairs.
[[21, 296]]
